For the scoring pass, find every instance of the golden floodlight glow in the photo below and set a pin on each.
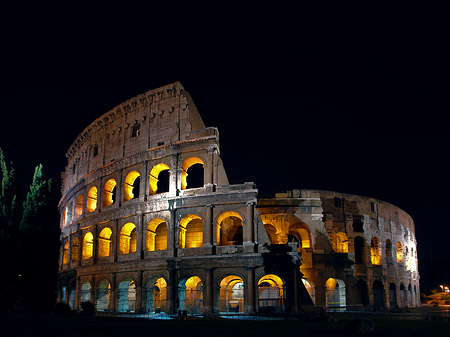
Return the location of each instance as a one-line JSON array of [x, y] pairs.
[[375, 255], [91, 203], [88, 246], [185, 167], [226, 222], [341, 243], [399, 252], [129, 185], [79, 206], [108, 192], [191, 231], [104, 242], [156, 235], [128, 239], [154, 177]]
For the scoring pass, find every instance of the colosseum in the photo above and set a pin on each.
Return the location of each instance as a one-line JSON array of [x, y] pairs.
[[151, 224]]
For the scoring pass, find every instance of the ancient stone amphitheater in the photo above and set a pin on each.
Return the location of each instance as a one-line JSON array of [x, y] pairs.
[[151, 224]]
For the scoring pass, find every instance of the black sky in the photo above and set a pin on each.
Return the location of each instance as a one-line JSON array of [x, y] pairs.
[[354, 101]]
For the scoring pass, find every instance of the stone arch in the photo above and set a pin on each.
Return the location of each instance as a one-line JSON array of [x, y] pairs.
[[403, 300], [109, 193], [156, 238], [231, 294], [229, 229], [86, 292], [103, 295], [187, 165], [388, 251], [91, 202], [363, 291], [126, 295], [272, 233], [131, 186], [79, 206], [375, 251], [75, 249], [299, 232], [191, 231], [190, 294], [393, 296], [88, 246], [341, 242], [310, 288], [105, 242], [156, 295], [335, 294], [378, 295], [271, 294], [399, 252], [159, 179], [128, 238], [360, 250]]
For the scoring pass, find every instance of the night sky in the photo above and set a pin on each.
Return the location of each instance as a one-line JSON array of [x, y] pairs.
[[349, 101]]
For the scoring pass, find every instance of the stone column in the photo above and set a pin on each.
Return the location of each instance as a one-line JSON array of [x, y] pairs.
[[140, 237], [208, 228], [139, 294], [249, 305], [208, 305], [249, 225], [114, 294]]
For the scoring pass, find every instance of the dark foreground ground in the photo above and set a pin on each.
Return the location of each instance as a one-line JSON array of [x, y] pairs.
[[25, 325]]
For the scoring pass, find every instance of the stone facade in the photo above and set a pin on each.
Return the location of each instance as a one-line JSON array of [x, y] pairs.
[[141, 234]]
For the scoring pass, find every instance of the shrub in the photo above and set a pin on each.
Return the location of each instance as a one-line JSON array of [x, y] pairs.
[[87, 309]]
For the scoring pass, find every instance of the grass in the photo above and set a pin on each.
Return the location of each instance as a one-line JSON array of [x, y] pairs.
[[49, 326]]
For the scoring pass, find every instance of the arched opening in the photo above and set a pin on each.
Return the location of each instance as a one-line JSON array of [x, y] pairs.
[[393, 296], [192, 173], [191, 231], [272, 233], [72, 296], [388, 252], [190, 295], [341, 242], [271, 294], [156, 235], [375, 251], [358, 226], [127, 296], [104, 242], [79, 206], [88, 246], [410, 297], [399, 252], [378, 295], [231, 296], [76, 249], [229, 229], [300, 234], [336, 298], [403, 303], [132, 185], [91, 203], [159, 179], [66, 253], [309, 285], [128, 238], [103, 295], [156, 296], [363, 291], [359, 245], [109, 193], [85, 292]]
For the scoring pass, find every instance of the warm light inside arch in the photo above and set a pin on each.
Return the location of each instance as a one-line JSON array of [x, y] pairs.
[[154, 174], [185, 167]]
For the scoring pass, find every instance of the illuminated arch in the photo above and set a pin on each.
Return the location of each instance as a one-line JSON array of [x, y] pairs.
[[335, 294], [156, 295], [272, 233], [375, 251], [103, 295], [79, 206], [299, 233], [309, 285], [132, 185], [128, 238], [104, 242], [109, 192], [126, 296], [88, 246], [184, 171], [76, 249], [341, 243], [231, 295], [190, 231], [66, 253], [190, 295], [154, 182], [156, 235], [85, 292], [91, 202], [229, 229], [271, 294]]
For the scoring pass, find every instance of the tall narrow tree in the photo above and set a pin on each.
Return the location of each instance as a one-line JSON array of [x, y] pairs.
[[9, 212]]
